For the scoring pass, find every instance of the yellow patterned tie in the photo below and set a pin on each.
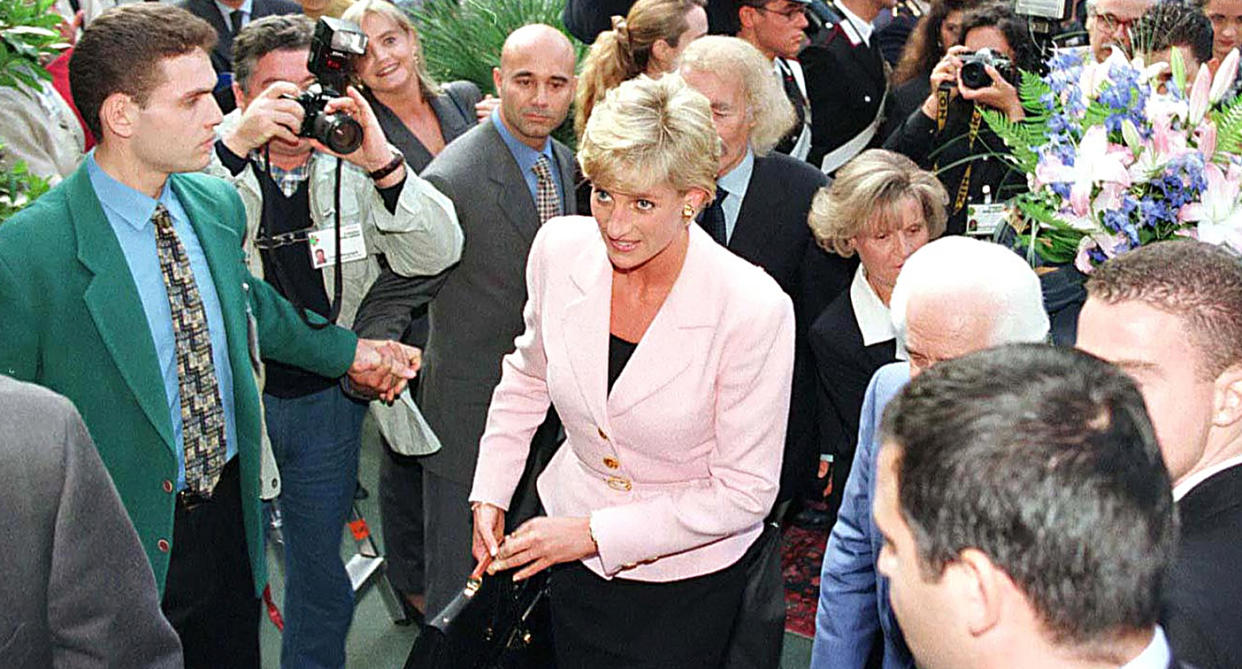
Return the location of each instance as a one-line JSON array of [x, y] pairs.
[[202, 413]]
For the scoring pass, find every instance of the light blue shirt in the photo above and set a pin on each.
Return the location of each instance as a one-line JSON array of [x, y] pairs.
[[129, 213], [735, 182], [526, 157], [246, 8]]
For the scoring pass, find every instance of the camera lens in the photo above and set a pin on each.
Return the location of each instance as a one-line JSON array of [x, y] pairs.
[[974, 75], [338, 132]]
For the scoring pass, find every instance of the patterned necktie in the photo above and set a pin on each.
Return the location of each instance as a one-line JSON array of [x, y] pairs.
[[202, 413], [547, 200], [713, 218]]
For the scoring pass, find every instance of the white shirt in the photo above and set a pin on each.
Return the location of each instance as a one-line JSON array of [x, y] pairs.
[[874, 320], [1155, 656], [864, 28], [1182, 489], [736, 182]]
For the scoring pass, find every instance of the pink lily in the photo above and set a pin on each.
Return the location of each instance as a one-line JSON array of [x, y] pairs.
[[1199, 92], [1225, 75], [1205, 138], [1093, 164], [1219, 210]]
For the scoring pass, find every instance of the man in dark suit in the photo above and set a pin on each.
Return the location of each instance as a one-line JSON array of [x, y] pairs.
[[1170, 314], [76, 587], [124, 289], [505, 177], [847, 83], [1026, 514], [760, 211], [228, 17]]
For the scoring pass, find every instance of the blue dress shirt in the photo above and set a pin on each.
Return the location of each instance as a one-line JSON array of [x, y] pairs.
[[526, 157], [247, 10], [129, 213]]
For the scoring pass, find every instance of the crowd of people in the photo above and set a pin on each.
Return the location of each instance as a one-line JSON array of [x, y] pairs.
[[751, 294]]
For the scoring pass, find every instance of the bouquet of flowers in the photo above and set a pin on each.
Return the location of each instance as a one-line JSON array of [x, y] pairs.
[[1116, 157]]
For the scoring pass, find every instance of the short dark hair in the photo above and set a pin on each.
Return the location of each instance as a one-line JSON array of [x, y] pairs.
[[1171, 24], [121, 50], [284, 32], [1013, 26], [1199, 282], [1045, 460]]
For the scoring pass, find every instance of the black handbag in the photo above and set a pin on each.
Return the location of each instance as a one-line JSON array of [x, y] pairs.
[[493, 623], [759, 630]]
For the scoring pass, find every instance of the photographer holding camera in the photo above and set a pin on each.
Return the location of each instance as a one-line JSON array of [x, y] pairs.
[[299, 155], [948, 135]]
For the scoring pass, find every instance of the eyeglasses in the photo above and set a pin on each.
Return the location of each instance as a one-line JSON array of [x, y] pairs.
[[1112, 22], [790, 14]]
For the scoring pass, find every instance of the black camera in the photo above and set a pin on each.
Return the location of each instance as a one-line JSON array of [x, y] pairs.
[[974, 73], [334, 47]]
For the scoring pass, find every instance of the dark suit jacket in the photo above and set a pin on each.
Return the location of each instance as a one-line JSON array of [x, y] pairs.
[[586, 19], [845, 84], [76, 587], [72, 321], [454, 109], [772, 233], [222, 53], [843, 368], [1203, 596], [476, 312]]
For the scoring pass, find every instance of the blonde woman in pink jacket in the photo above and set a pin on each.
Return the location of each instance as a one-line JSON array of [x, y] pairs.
[[669, 361]]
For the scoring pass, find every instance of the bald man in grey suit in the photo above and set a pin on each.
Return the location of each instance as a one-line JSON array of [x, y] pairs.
[[77, 588]]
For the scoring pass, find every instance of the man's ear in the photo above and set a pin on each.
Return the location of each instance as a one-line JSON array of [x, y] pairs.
[[1227, 397], [118, 115], [496, 79], [981, 588], [746, 16], [240, 96]]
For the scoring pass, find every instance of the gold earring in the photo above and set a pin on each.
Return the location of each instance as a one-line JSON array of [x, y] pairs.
[[687, 211]]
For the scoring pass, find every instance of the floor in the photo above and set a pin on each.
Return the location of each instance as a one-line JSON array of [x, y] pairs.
[[374, 641]]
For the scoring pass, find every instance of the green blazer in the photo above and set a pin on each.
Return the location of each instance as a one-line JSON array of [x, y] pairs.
[[71, 320]]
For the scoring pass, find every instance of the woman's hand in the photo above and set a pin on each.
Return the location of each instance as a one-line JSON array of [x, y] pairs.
[[945, 72], [489, 529], [542, 542], [1000, 95]]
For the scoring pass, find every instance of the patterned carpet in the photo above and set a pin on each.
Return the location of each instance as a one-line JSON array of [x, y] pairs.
[[802, 553]]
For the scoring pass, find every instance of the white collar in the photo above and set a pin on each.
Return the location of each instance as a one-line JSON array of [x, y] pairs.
[[864, 28], [1182, 489], [1155, 656], [874, 321]]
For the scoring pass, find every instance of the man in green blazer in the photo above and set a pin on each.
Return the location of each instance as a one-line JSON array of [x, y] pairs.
[[88, 309]]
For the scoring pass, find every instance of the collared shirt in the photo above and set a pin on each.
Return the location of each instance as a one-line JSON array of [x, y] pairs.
[[864, 28], [875, 321], [526, 157], [736, 181], [1182, 489], [1156, 655], [247, 10], [287, 180], [129, 213]]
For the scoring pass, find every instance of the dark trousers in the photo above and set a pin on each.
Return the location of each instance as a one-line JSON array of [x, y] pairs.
[[449, 529], [600, 623], [401, 515], [209, 593]]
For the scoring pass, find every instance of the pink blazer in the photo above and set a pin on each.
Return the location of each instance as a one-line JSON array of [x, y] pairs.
[[678, 466]]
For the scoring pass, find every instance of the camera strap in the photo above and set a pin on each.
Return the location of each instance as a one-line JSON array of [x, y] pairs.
[[942, 118], [268, 242]]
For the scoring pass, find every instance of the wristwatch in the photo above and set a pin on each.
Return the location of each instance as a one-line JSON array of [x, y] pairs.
[[390, 167]]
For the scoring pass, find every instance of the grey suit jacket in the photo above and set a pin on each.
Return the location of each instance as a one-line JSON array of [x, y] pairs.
[[477, 311], [77, 589]]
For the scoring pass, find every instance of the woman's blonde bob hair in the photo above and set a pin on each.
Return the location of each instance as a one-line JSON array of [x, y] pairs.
[[427, 85], [867, 197], [770, 111], [625, 51], [648, 132]]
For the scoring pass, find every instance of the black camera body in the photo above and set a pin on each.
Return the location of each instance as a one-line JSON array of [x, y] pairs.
[[334, 47], [974, 74]]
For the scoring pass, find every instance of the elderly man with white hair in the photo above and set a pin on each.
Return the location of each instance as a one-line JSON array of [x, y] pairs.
[[953, 296]]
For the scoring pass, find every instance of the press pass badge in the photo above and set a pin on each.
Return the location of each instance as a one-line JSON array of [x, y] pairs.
[[984, 220], [323, 245]]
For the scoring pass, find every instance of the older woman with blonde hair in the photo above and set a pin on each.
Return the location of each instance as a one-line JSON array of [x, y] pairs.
[[649, 40], [668, 360], [883, 208]]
